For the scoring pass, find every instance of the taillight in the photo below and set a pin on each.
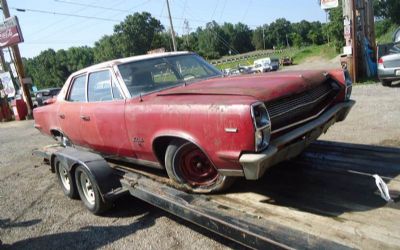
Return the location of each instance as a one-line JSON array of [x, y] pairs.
[[380, 61]]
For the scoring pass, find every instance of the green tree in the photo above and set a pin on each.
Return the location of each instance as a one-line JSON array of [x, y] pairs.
[[279, 32], [335, 27], [301, 29], [48, 68], [259, 38], [106, 49], [387, 9], [297, 40], [135, 35], [213, 42], [79, 58]]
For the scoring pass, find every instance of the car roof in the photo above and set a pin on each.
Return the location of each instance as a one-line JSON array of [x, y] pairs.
[[130, 59]]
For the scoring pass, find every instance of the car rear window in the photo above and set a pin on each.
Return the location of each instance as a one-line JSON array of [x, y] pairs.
[[101, 87], [77, 92]]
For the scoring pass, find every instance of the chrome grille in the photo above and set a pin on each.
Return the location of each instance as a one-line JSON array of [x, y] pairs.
[[293, 109]]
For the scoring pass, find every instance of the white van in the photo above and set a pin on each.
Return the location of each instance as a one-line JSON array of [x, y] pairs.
[[267, 63]]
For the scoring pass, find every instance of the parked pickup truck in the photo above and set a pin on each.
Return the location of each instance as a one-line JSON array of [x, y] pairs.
[[177, 112]]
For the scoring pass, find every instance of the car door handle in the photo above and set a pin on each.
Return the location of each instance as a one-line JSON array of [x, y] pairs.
[[85, 117], [62, 116]]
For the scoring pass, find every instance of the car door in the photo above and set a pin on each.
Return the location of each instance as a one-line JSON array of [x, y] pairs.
[[102, 116], [70, 108]]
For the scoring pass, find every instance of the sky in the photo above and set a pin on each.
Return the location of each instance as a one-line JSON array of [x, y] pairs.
[[46, 30]]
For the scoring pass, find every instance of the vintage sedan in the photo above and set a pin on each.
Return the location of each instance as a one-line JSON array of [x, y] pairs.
[[177, 112]]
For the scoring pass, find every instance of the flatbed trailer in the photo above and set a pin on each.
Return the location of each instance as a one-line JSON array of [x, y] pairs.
[[326, 198]]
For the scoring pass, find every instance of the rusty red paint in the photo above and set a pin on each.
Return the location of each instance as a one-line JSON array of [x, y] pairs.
[[199, 113]]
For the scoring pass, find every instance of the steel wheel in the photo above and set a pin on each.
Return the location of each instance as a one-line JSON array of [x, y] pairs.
[[89, 191], [194, 166], [87, 188], [65, 179], [188, 165]]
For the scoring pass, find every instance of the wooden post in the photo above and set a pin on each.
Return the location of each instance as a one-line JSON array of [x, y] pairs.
[[18, 64]]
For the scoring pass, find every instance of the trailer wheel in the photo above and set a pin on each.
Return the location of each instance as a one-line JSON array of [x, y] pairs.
[[66, 180], [89, 191], [187, 164]]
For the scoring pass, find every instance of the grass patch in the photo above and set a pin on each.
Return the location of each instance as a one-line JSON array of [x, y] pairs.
[[388, 36], [299, 55], [366, 81], [324, 51]]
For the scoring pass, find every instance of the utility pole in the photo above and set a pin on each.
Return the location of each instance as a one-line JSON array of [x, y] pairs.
[[2, 60], [18, 64], [187, 29], [354, 66], [264, 37], [172, 27], [287, 41]]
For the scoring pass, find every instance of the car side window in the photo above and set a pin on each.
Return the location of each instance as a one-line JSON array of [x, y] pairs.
[[99, 86], [116, 93], [77, 92]]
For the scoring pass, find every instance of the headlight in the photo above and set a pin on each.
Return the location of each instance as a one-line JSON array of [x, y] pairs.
[[262, 125], [349, 85]]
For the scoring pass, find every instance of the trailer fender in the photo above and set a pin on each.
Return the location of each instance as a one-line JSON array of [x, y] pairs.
[[106, 180]]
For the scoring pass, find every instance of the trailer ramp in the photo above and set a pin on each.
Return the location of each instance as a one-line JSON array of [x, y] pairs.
[[324, 199]]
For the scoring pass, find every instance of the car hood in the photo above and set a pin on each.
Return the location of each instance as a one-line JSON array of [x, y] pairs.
[[265, 87]]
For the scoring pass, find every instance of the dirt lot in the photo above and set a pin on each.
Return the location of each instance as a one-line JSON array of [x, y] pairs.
[[36, 215]]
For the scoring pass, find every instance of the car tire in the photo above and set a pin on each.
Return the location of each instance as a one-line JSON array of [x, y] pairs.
[[89, 192], [386, 83], [66, 180], [188, 165]]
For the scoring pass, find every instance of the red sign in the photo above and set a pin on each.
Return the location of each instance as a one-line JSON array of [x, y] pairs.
[[10, 32]]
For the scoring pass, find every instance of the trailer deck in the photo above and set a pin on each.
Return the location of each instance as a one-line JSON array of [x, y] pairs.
[[326, 198]]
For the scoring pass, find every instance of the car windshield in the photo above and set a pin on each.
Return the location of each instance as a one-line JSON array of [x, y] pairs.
[[156, 74]]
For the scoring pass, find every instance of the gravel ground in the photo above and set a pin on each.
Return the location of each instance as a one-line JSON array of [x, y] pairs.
[[36, 215]]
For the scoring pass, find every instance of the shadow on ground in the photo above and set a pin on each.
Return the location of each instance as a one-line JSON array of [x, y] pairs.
[[94, 237], [332, 186]]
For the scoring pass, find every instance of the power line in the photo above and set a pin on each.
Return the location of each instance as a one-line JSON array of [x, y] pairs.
[[73, 25], [246, 11], [216, 6], [64, 14], [36, 32], [90, 6]]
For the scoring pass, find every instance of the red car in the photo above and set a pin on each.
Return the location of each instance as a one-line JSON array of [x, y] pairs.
[[177, 112]]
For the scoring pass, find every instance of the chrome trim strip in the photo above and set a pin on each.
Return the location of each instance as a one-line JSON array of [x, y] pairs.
[[302, 105], [135, 161], [231, 130], [301, 121], [261, 128], [231, 172]]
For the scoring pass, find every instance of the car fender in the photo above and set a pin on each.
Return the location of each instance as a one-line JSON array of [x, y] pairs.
[[179, 135]]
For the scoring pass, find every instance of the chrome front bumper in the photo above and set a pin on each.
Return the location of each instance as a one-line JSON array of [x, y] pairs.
[[291, 144]]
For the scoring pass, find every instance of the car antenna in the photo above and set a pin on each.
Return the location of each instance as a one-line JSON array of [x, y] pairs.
[[140, 97]]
